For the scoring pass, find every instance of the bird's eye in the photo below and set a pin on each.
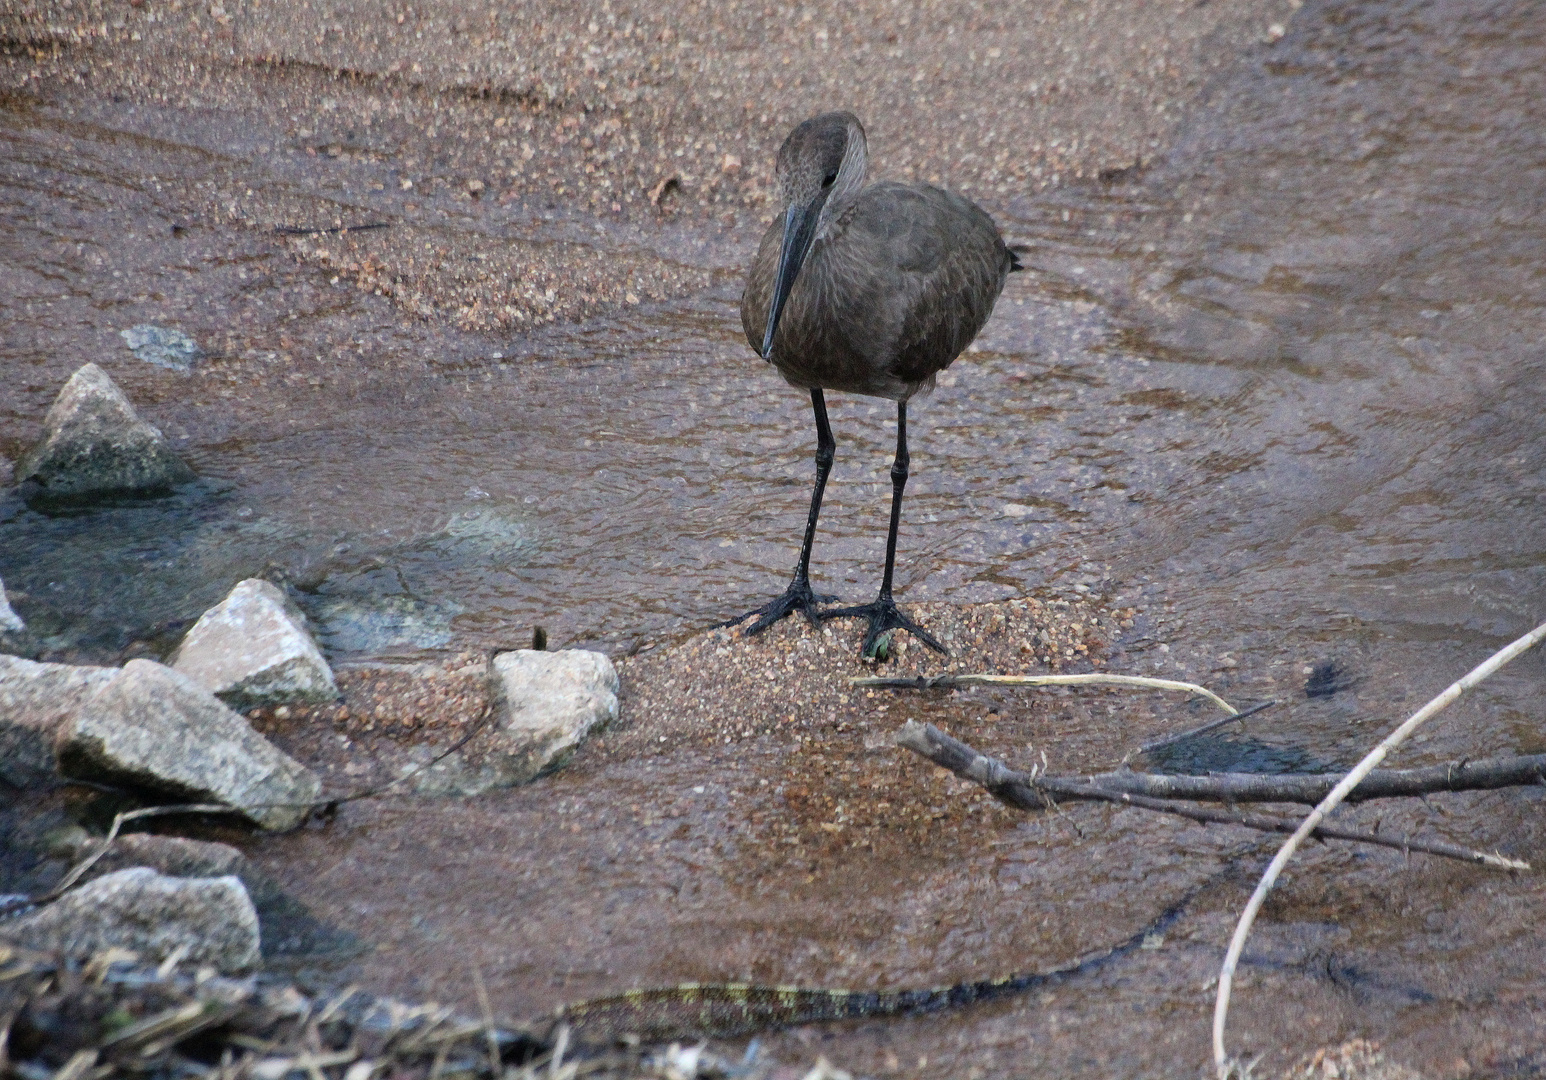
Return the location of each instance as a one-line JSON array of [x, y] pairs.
[[829, 180]]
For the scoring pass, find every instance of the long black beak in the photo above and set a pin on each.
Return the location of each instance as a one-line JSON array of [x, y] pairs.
[[799, 233]]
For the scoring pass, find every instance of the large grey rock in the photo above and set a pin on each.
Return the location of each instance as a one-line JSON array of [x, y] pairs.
[[153, 728], [37, 702], [211, 919], [10, 622], [253, 649], [545, 704], [94, 444]]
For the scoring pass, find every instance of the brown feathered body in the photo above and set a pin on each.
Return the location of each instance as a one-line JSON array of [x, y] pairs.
[[894, 289]]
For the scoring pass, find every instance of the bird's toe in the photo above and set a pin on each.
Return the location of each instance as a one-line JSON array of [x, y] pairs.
[[798, 597], [884, 617]]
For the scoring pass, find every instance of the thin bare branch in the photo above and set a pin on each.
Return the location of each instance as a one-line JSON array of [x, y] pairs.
[[1486, 774], [1203, 729], [1027, 792], [1345, 787]]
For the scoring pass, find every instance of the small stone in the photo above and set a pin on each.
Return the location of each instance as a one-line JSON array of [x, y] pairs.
[[153, 728], [163, 347], [37, 701], [545, 704], [95, 445], [253, 649], [10, 622], [731, 165], [210, 920]]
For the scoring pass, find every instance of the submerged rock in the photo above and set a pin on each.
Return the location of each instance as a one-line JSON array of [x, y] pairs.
[[153, 728], [253, 648], [545, 704], [174, 856], [163, 346], [38, 702], [10, 622], [95, 445], [209, 920]]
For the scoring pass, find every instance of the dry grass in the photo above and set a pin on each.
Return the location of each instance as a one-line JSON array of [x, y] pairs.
[[112, 1016]]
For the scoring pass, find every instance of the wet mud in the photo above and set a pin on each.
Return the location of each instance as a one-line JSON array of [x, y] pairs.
[[1267, 405]]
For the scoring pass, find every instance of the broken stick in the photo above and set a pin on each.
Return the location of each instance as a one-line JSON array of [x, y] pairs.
[[1026, 791]]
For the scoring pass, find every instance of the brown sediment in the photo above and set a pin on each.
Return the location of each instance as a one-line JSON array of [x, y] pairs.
[[462, 126], [725, 685]]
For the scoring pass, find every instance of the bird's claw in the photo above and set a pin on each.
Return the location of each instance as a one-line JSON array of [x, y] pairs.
[[798, 597], [883, 616]]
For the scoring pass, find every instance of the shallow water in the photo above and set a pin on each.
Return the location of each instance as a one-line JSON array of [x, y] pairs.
[[1284, 388]]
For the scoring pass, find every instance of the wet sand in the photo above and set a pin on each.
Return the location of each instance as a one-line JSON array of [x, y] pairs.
[[546, 128]]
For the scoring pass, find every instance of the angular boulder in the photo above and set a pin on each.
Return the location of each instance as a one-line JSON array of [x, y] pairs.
[[152, 728], [95, 445], [253, 649], [545, 704], [211, 920], [37, 702]]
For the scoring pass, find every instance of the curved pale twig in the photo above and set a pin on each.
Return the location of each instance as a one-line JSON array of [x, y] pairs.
[[1237, 944]]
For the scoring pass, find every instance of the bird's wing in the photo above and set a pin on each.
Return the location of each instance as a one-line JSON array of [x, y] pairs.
[[944, 265]]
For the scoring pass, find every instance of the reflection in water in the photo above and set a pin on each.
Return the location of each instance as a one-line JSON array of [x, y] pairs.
[[1210, 754]]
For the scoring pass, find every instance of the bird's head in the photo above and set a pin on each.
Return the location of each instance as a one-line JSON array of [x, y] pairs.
[[821, 166], [824, 155]]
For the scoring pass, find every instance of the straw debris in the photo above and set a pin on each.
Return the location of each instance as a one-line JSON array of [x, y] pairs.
[[113, 1016]]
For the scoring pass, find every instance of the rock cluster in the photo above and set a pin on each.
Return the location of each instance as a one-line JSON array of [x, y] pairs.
[[143, 726], [96, 446], [171, 733], [151, 728]]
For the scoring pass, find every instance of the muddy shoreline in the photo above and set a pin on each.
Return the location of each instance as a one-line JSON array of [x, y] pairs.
[[1268, 400]]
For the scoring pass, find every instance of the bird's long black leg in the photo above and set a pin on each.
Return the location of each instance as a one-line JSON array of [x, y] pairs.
[[882, 613], [799, 596]]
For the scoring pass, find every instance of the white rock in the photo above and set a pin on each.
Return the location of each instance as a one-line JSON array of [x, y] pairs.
[[253, 649], [37, 701], [545, 704], [10, 622], [211, 920], [150, 727], [95, 444]]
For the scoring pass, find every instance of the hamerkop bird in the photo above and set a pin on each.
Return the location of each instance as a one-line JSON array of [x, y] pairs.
[[864, 290]]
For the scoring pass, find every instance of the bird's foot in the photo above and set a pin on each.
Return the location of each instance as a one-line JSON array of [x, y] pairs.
[[884, 617], [798, 597]]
